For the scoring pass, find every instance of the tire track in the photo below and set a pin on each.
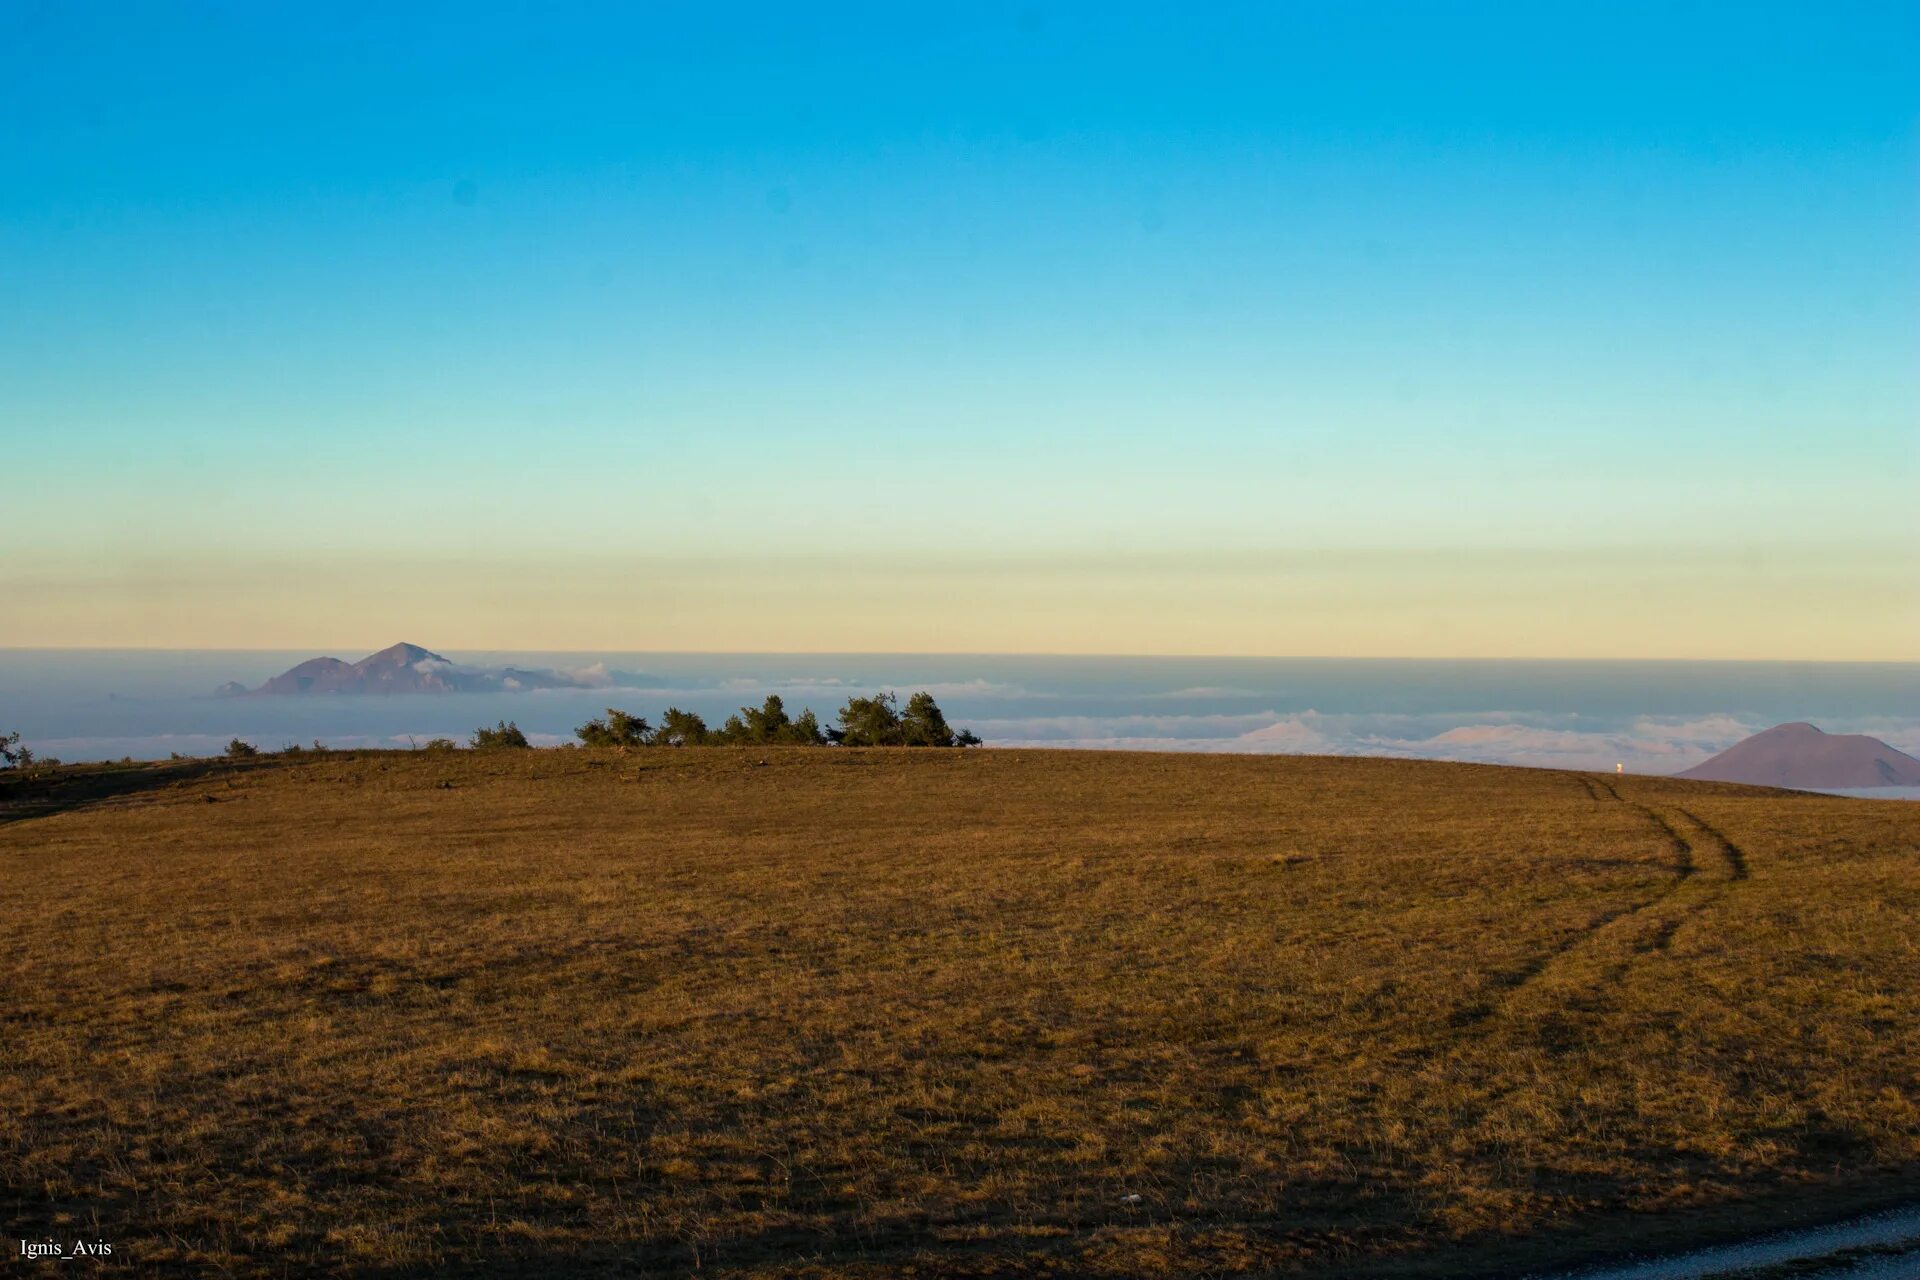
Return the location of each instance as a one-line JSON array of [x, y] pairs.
[[1682, 846], [1736, 860], [1600, 956]]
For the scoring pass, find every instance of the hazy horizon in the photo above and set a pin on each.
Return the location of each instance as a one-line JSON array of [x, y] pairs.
[[349, 652], [1653, 717]]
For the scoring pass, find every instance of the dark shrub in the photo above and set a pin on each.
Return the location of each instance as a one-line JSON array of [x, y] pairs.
[[878, 722], [618, 730], [12, 753], [871, 722], [503, 735], [682, 729]]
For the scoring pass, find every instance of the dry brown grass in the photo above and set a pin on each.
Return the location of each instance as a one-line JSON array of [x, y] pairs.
[[850, 1013]]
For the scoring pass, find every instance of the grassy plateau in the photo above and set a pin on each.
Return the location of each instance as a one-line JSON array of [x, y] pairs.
[[870, 1013]]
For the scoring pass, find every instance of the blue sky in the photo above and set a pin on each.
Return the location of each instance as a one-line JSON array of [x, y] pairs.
[[773, 297]]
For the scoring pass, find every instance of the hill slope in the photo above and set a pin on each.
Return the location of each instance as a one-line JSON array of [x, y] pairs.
[[838, 1013], [1800, 755]]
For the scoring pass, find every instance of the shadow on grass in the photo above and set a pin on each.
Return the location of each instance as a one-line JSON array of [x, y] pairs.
[[41, 793]]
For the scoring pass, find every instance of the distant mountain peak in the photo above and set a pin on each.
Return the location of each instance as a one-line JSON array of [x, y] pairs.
[[407, 668], [402, 654], [1799, 754]]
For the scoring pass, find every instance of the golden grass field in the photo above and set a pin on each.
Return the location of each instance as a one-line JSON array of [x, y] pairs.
[[837, 1013]]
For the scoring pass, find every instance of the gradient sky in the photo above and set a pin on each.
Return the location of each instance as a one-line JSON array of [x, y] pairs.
[[1429, 330]]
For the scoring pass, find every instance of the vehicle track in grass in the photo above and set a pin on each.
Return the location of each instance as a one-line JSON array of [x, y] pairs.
[[1584, 968]]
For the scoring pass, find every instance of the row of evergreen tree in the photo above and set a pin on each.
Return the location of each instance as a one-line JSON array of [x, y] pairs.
[[879, 721]]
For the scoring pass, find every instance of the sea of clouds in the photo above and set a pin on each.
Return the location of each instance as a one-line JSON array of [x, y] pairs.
[[1648, 718], [1642, 744]]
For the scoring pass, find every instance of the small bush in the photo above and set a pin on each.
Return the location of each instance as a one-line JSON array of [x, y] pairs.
[[769, 725], [923, 725], [240, 749], [871, 722], [682, 729], [805, 731], [503, 735], [879, 722], [13, 755], [441, 744], [618, 730]]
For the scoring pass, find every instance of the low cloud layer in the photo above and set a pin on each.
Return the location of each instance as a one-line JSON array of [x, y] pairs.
[[1646, 744], [1651, 718]]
